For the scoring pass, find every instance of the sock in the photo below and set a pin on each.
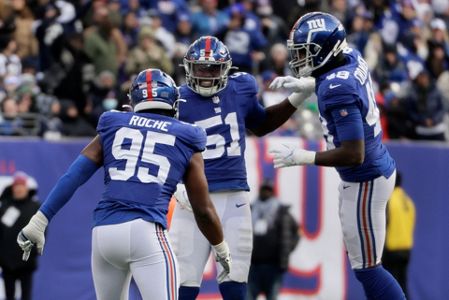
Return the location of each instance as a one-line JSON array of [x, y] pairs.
[[379, 284], [188, 292], [232, 290]]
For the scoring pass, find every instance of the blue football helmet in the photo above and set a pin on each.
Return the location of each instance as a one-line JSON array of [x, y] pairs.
[[314, 39], [153, 89], [207, 64]]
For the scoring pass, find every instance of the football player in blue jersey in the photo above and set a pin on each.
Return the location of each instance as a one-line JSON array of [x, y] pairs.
[[350, 119], [144, 153], [225, 106]]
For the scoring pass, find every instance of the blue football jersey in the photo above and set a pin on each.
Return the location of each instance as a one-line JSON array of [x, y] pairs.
[[225, 117], [144, 158], [341, 91]]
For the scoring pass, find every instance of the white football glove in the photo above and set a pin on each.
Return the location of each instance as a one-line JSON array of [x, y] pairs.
[[223, 256], [301, 88], [181, 197], [33, 235], [287, 155]]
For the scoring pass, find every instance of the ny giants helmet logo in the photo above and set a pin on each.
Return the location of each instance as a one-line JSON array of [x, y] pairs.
[[317, 24]]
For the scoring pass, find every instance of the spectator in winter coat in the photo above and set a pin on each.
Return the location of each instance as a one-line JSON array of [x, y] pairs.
[[275, 237], [17, 208], [425, 106]]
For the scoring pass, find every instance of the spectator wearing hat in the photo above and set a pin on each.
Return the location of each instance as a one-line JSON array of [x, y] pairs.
[[438, 60], [184, 34], [404, 13], [49, 34], [169, 12], [275, 236], [73, 123], [10, 122], [390, 68], [274, 27], [17, 208], [424, 104], [104, 43], [147, 54], [104, 95], [439, 32], [244, 40], [184, 37], [134, 6], [361, 29], [130, 29], [11, 84], [209, 20], [162, 35]]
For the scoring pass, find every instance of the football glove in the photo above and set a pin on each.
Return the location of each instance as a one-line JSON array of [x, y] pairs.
[[287, 155], [182, 198], [223, 256], [33, 235], [301, 88]]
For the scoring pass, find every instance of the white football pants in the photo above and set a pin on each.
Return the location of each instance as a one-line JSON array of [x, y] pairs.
[[136, 248], [362, 210], [193, 250]]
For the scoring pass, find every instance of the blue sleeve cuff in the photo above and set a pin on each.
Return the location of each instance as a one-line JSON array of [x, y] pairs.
[[348, 123], [78, 173]]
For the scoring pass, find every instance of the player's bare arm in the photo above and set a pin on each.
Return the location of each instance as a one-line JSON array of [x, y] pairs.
[[203, 209], [350, 153], [277, 115], [94, 151]]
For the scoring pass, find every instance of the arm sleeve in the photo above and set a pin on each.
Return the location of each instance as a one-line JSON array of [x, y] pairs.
[[348, 122], [78, 173]]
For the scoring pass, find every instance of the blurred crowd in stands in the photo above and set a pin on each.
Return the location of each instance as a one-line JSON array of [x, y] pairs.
[[63, 63]]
